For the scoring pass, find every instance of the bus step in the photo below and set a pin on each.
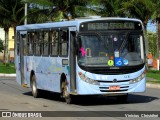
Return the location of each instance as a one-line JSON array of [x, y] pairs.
[[73, 93], [24, 85]]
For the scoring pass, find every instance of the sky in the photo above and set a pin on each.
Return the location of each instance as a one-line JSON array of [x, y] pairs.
[[151, 27]]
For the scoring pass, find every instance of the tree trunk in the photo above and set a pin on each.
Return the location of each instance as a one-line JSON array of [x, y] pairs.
[[6, 45]]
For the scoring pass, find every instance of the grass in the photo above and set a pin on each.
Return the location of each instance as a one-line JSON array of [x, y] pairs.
[[7, 68], [153, 76]]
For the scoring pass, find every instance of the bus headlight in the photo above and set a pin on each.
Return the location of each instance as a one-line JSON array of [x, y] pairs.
[[139, 78], [88, 80]]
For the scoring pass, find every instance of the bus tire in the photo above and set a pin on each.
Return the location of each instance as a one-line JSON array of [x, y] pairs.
[[35, 91], [122, 98], [65, 93]]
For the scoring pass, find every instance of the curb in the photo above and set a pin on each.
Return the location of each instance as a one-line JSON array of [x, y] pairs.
[[7, 75], [150, 85]]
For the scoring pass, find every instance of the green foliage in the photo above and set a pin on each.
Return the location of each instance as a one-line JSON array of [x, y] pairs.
[[7, 65], [7, 68], [154, 74], [1, 45], [156, 10], [11, 15], [152, 43], [58, 9], [141, 9], [110, 8], [40, 11]]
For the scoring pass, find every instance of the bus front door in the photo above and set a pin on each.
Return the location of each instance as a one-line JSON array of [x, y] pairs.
[[23, 39], [72, 60]]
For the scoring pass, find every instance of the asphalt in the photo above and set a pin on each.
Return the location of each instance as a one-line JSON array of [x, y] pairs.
[[149, 85]]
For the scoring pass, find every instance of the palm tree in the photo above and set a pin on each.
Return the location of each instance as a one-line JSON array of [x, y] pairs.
[[156, 17], [141, 9], [11, 15], [110, 8], [55, 10], [38, 10]]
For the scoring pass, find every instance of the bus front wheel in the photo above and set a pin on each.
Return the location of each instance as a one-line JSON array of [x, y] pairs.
[[35, 91], [65, 93]]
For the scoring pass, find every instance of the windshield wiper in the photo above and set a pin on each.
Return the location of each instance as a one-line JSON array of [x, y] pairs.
[[124, 42]]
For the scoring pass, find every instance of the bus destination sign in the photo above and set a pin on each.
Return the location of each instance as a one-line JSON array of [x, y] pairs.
[[108, 26], [111, 25]]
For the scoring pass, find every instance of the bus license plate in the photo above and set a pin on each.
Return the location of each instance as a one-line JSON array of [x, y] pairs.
[[114, 88]]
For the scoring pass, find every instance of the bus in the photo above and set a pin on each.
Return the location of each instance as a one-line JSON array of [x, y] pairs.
[[85, 56]]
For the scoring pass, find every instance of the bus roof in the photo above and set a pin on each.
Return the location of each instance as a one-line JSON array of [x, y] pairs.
[[71, 23]]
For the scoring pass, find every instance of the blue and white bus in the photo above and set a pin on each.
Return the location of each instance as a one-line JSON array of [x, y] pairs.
[[90, 56]]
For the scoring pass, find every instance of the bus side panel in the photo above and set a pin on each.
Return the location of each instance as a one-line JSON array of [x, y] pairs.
[[18, 73], [29, 68], [25, 71], [48, 71]]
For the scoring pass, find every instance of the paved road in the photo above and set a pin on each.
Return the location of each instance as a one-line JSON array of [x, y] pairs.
[[15, 98]]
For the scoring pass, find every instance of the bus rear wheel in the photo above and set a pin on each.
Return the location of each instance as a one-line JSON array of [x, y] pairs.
[[35, 91], [65, 93]]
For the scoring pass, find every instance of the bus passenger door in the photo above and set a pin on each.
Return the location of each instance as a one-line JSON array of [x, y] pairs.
[[23, 40], [72, 59]]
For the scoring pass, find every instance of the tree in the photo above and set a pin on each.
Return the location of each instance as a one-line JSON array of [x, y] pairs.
[[56, 10], [1, 45], [11, 15], [110, 8], [39, 11], [152, 43], [141, 9], [156, 17]]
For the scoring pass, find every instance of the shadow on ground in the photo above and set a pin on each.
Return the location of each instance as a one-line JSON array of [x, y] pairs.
[[96, 99]]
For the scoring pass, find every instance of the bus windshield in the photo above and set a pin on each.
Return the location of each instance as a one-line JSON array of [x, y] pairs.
[[111, 49]]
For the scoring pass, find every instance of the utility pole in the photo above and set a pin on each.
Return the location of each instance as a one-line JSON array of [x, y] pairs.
[[158, 42], [25, 13], [158, 37]]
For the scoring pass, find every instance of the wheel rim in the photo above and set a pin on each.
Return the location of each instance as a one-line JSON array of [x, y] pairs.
[[34, 87]]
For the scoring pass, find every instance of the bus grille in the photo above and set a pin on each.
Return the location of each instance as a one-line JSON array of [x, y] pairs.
[[119, 81]]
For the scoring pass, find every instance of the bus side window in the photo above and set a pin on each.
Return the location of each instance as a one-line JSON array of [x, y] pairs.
[[38, 42], [18, 40], [30, 42], [46, 43], [63, 42], [53, 42]]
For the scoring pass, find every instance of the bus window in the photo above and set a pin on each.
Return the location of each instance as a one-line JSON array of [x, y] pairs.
[[38, 42], [64, 43], [18, 40], [46, 43], [53, 44], [30, 42]]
